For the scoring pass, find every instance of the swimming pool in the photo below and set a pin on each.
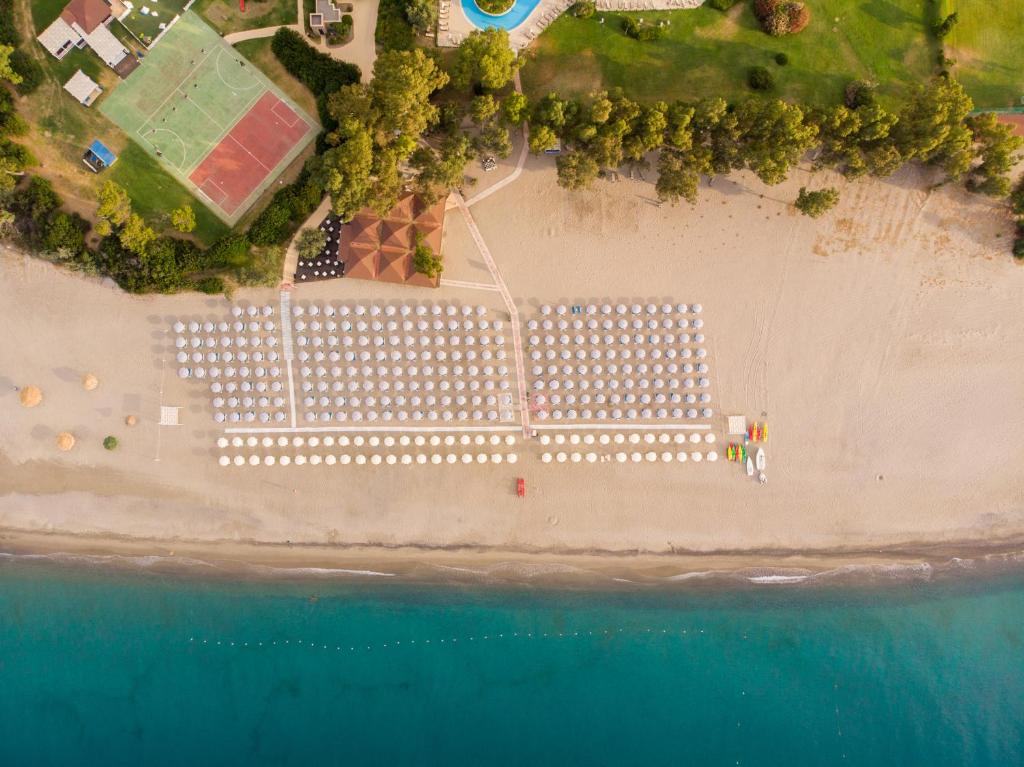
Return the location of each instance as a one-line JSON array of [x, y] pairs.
[[511, 19]]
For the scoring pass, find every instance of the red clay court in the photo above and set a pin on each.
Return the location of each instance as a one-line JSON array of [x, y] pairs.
[[243, 159]]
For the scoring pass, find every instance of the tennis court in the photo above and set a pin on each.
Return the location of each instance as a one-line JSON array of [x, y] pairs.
[[211, 117]]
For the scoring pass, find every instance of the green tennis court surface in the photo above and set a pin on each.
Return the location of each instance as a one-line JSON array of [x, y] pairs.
[[183, 105]]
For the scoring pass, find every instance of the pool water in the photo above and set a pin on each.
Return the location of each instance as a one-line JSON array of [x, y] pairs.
[[511, 19]]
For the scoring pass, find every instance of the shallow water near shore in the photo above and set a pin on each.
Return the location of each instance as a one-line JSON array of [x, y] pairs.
[[104, 666]]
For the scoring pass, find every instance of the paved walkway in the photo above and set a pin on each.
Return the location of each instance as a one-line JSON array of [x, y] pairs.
[[513, 311], [255, 34]]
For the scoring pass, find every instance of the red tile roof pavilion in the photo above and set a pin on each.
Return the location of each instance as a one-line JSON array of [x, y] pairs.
[[374, 247]]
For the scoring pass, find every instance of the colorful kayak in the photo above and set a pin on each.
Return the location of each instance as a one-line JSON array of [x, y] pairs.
[[760, 459], [730, 452]]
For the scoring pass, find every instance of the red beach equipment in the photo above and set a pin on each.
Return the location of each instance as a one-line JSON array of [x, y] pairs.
[[521, 487]]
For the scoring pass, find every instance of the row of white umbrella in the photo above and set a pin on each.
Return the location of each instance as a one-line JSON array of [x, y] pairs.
[[610, 354], [445, 416], [556, 384], [394, 326], [385, 400], [388, 310], [372, 440], [667, 325], [650, 456], [626, 398], [562, 309], [374, 459], [422, 341], [210, 328], [618, 414], [410, 355], [252, 310], [411, 371], [223, 342], [634, 438]]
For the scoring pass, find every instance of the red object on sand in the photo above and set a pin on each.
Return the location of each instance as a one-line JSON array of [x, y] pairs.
[[241, 5], [521, 487]]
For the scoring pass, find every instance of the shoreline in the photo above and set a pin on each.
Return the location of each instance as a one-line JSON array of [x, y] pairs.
[[497, 566]]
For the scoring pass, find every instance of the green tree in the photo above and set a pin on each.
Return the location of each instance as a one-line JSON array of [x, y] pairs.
[[110, 442], [818, 203], [515, 108], [483, 108], [310, 243], [422, 14], [932, 127], [425, 261], [576, 169], [403, 82], [114, 210], [7, 227], [183, 219], [388, 183], [6, 70], [542, 138], [494, 138], [857, 141], [484, 58], [772, 137], [135, 235], [344, 172], [997, 148], [441, 171], [65, 235], [678, 177]]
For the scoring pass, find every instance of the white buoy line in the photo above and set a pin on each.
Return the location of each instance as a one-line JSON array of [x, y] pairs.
[[352, 647]]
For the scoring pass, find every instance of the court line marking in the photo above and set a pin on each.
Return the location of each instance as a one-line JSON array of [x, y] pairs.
[[257, 159], [255, 80], [184, 147], [211, 145], [176, 89], [281, 118]]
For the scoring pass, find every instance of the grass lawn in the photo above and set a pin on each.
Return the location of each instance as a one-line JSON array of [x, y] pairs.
[[707, 53], [155, 193], [988, 47], [146, 26], [225, 15]]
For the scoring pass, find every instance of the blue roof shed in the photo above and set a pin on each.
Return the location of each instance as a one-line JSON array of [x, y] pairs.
[[98, 157]]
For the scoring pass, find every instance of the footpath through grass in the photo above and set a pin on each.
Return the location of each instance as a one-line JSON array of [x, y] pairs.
[[708, 53], [225, 15], [988, 47]]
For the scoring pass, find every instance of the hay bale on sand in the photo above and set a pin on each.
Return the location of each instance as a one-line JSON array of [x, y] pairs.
[[30, 396], [131, 420], [65, 441], [90, 382]]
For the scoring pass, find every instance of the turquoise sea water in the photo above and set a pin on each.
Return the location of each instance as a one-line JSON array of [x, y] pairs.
[[111, 668]]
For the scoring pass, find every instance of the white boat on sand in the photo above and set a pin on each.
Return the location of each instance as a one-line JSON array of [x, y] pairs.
[[760, 459], [750, 466]]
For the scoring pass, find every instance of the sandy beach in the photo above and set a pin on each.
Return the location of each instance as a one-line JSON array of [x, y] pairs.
[[884, 344]]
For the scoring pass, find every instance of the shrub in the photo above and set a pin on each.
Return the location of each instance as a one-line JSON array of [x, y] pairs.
[[859, 93], [944, 27], [782, 17], [643, 32], [65, 234], [583, 9], [760, 79], [1018, 246], [630, 27], [425, 261], [421, 14], [289, 207], [31, 72], [781, 59], [495, 7], [722, 5], [339, 32], [315, 69], [212, 286], [110, 442], [816, 204], [394, 32], [230, 250]]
